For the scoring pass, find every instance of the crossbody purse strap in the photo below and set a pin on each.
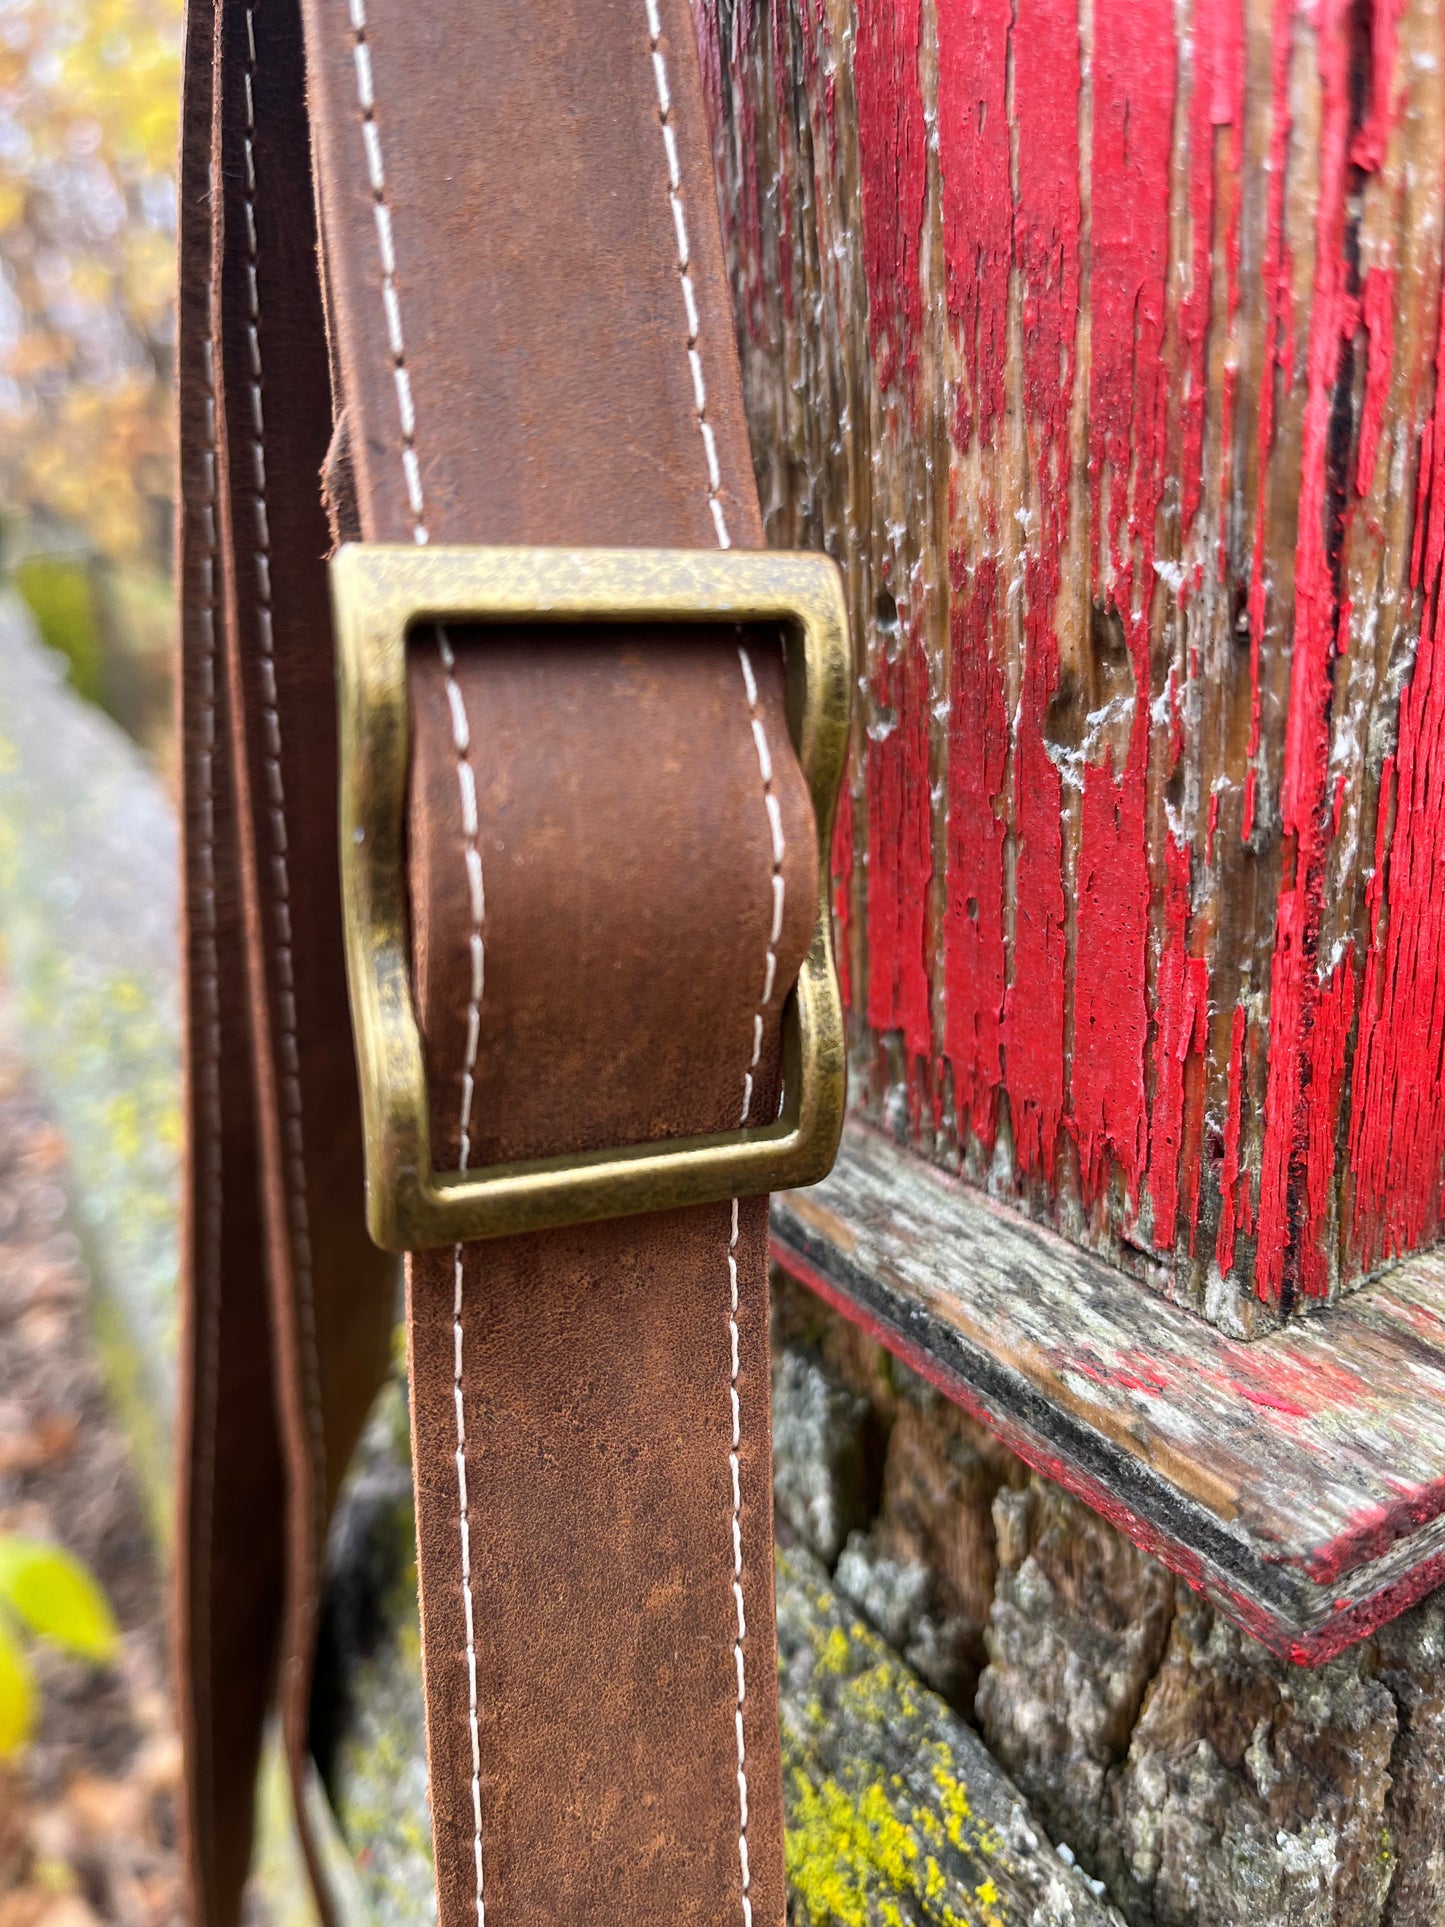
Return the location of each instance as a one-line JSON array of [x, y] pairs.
[[519, 333]]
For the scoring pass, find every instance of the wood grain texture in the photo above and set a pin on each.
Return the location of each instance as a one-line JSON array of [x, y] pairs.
[[1298, 1481], [1102, 347]]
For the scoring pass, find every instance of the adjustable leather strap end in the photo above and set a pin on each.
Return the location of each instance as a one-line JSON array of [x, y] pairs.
[[590, 1406]]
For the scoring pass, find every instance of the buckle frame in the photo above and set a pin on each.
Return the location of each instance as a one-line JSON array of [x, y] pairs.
[[379, 593]]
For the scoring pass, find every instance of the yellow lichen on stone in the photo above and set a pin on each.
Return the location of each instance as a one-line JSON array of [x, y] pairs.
[[854, 1861], [958, 1815]]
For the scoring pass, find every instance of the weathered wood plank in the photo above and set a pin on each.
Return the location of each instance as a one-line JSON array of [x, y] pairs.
[[1298, 1480], [1203, 1780], [1099, 344]]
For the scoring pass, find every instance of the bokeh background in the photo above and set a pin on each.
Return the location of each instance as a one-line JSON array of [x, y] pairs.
[[88, 114], [89, 1059]]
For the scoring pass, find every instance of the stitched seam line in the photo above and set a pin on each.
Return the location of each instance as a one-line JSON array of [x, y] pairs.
[[292, 1141], [714, 487], [390, 299], [466, 782], [775, 832], [770, 971], [684, 274], [207, 1204]]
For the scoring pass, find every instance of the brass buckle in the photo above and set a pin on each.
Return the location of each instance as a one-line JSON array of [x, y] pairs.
[[379, 593]]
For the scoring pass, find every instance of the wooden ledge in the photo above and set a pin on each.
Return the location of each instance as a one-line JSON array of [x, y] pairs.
[[1298, 1481]]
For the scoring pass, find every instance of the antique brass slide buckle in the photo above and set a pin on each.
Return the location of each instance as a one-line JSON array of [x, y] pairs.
[[379, 594]]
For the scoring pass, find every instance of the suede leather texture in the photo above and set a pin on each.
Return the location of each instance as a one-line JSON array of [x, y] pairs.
[[498, 347]]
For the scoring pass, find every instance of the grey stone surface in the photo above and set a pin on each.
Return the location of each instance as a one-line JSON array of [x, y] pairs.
[[819, 1453], [1412, 1669], [1077, 1630], [1252, 1791], [1205, 1781]]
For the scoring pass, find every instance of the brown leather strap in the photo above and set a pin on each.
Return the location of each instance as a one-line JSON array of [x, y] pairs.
[[290, 1307], [611, 874]]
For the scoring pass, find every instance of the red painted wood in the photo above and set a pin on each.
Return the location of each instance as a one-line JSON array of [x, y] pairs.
[[1105, 350], [1174, 1431]]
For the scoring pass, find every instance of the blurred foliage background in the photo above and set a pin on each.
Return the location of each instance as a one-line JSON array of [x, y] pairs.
[[88, 115]]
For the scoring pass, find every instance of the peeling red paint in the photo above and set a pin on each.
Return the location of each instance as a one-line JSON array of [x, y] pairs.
[[900, 848], [1324, 1075], [1294, 983], [974, 959], [1378, 314], [1270, 1401], [973, 161], [1134, 72], [1216, 100], [1047, 221], [1196, 992], [1229, 1215], [1277, 268], [894, 159], [1368, 148], [1397, 1130], [973, 154], [1110, 1017], [1100, 1036], [1180, 1029]]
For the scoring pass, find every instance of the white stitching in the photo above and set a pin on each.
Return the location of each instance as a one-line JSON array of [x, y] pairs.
[[737, 1538], [466, 783], [684, 272], [390, 299], [208, 1199], [291, 1135], [775, 825], [770, 969]]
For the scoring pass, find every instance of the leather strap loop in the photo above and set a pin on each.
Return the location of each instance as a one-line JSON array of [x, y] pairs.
[[612, 872]]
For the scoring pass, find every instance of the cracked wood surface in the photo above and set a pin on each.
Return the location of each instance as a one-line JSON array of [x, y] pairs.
[[1298, 1480], [1101, 344]]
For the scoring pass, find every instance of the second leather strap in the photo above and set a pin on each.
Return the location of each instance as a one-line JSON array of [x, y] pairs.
[[612, 880]]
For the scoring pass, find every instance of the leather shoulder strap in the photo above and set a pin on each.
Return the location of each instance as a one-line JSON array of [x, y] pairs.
[[612, 874]]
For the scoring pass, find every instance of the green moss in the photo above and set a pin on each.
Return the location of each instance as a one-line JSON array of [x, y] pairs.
[[60, 593]]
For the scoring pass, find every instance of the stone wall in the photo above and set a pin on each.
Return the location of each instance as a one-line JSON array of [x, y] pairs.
[[1204, 1782]]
